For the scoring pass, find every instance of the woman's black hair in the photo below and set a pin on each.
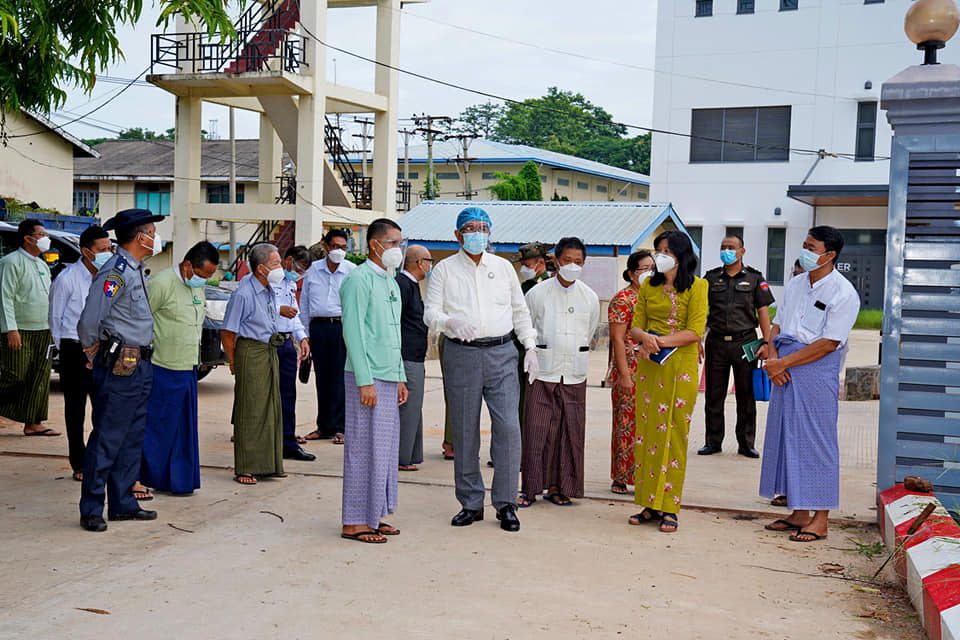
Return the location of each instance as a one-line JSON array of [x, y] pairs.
[[682, 250], [633, 262]]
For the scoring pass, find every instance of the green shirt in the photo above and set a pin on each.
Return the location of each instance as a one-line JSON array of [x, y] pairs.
[[24, 292], [370, 307], [178, 313]]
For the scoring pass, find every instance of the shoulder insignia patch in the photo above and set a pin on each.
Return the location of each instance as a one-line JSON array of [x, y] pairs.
[[764, 286], [112, 285], [121, 264]]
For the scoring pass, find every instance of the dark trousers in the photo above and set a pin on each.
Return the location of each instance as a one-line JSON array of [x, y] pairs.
[[112, 461], [288, 363], [76, 381], [720, 356], [329, 356]]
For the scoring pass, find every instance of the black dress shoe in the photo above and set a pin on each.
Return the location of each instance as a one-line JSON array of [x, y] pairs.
[[507, 515], [139, 514], [749, 453], [93, 523], [708, 450], [467, 517], [299, 454]]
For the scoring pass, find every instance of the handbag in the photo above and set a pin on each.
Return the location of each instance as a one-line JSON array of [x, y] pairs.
[[761, 384]]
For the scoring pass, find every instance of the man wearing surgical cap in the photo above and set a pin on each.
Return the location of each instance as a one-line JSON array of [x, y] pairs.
[[474, 300]]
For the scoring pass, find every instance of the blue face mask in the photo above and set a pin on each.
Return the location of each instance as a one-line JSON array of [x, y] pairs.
[[292, 276], [100, 259], [195, 281], [808, 260], [475, 243], [728, 256]]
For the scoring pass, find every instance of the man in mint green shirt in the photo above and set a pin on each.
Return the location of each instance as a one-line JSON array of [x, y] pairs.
[[25, 331], [374, 386], [171, 458]]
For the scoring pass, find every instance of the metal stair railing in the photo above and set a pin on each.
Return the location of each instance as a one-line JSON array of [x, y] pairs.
[[360, 187], [263, 233]]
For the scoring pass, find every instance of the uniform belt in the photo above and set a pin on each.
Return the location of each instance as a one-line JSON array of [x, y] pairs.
[[331, 320], [146, 353], [733, 336], [483, 342]]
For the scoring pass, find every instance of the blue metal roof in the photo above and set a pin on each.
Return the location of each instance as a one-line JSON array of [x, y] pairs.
[[602, 226]]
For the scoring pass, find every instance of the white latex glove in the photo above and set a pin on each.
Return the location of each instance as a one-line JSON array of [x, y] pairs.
[[531, 365], [461, 329]]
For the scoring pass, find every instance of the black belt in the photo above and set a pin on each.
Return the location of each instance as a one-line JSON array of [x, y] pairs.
[[483, 342], [733, 336], [146, 353], [332, 320]]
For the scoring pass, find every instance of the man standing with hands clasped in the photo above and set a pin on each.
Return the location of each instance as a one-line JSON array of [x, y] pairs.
[[739, 298], [474, 298], [800, 451]]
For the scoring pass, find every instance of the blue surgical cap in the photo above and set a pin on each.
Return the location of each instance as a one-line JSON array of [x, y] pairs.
[[470, 214]]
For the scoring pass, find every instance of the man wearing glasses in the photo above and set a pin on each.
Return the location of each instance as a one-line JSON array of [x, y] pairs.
[[474, 299], [25, 326]]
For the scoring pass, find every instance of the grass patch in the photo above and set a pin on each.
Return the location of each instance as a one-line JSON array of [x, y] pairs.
[[869, 319]]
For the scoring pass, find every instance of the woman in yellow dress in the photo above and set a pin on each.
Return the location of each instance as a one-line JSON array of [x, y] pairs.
[[671, 311]]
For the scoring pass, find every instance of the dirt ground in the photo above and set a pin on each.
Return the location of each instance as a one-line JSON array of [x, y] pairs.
[[266, 561]]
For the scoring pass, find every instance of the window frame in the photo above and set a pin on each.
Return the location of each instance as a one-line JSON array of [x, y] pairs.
[[447, 175], [746, 7], [221, 192], [563, 182], [583, 186], [153, 196], [703, 8], [789, 5], [705, 137], [862, 131], [774, 254]]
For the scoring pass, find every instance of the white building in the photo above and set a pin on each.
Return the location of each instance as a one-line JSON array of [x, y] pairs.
[[773, 74]]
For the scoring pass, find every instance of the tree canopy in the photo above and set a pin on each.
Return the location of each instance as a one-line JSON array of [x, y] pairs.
[[46, 45], [525, 186], [561, 121]]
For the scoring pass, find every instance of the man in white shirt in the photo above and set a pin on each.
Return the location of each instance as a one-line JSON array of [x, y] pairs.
[[320, 315], [474, 299], [565, 315], [68, 294], [801, 454]]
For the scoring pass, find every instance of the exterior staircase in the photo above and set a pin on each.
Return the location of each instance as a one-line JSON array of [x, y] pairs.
[[261, 30]]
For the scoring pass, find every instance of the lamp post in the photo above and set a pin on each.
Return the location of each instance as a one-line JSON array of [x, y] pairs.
[[929, 24]]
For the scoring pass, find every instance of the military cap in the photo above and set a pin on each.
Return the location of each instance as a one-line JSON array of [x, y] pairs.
[[532, 250]]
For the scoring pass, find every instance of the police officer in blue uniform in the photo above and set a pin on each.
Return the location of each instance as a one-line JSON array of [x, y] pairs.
[[116, 333]]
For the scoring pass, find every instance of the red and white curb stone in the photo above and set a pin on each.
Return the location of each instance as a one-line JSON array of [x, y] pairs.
[[928, 565]]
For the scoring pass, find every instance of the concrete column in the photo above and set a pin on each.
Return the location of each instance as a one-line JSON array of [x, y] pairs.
[[271, 163], [186, 171], [310, 136], [385, 123]]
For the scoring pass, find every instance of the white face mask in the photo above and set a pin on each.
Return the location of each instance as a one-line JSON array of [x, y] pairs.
[[570, 272], [527, 273], [664, 262], [43, 244], [392, 258], [275, 276], [157, 243], [643, 275], [337, 255]]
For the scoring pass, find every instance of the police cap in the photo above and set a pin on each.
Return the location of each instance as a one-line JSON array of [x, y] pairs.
[[131, 218]]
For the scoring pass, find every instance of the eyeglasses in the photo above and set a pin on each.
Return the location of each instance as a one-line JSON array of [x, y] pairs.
[[42, 234], [475, 227]]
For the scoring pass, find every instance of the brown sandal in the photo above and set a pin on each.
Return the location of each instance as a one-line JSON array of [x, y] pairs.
[[245, 478]]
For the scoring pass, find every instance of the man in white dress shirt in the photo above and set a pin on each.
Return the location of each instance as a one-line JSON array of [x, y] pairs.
[[474, 298], [320, 314], [565, 314], [68, 294], [801, 453]]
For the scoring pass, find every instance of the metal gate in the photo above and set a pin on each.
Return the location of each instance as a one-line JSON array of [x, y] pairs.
[[920, 375]]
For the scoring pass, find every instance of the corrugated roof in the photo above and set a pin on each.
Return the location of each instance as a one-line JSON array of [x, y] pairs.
[[154, 158], [619, 224], [487, 151]]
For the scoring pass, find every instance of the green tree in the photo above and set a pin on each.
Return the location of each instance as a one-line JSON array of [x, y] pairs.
[[46, 45], [524, 187], [481, 119]]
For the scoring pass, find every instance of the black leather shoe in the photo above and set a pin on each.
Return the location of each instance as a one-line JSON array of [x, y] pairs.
[[299, 454], [507, 515], [467, 517], [139, 514], [708, 450], [749, 453], [93, 523]]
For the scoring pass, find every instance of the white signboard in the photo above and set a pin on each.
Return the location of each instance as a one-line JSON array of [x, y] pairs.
[[603, 275]]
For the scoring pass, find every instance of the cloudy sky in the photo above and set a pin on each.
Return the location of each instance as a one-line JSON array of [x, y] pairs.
[[513, 48]]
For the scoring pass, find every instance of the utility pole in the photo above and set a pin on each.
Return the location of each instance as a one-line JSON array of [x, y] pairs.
[[406, 152], [233, 186], [425, 126], [365, 126], [465, 140]]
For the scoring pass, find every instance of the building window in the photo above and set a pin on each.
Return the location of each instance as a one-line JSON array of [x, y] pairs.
[[413, 175], [543, 179], [789, 5], [745, 6], [733, 231], [642, 194], [583, 185], [743, 134], [872, 1], [488, 176], [563, 182], [704, 8], [220, 193], [155, 197], [776, 255], [86, 196], [696, 235], [601, 188], [451, 175], [866, 131]]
